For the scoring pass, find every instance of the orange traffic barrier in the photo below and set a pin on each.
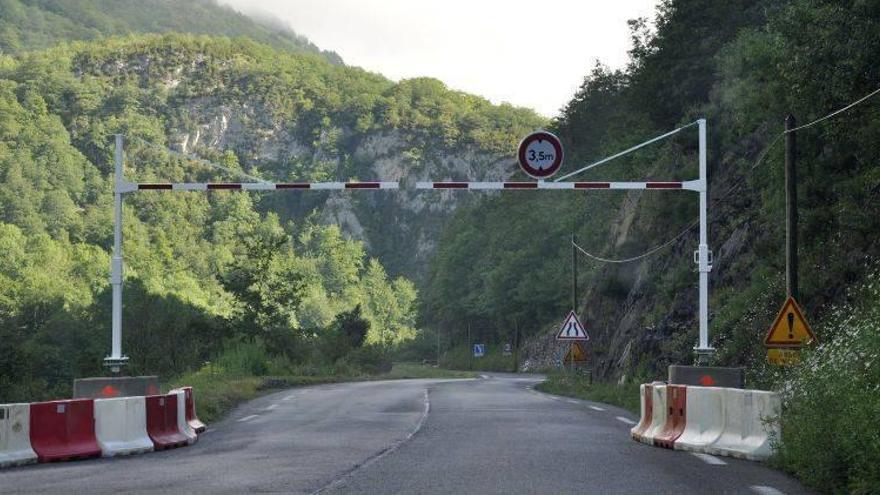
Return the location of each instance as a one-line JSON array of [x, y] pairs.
[[647, 402], [676, 404]]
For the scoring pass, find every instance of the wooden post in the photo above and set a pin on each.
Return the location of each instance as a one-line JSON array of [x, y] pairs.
[[574, 273], [515, 345], [470, 349], [791, 212]]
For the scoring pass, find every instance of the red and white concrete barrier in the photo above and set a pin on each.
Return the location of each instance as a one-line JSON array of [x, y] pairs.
[[659, 415], [721, 421], [82, 428], [182, 424]]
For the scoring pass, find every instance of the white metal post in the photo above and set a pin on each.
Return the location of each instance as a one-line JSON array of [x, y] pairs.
[[116, 359], [704, 352]]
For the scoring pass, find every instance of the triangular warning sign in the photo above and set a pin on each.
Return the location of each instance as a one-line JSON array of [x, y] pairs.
[[790, 328], [576, 352], [572, 329]]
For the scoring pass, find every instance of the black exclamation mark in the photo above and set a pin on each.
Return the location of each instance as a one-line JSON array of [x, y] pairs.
[[791, 326]]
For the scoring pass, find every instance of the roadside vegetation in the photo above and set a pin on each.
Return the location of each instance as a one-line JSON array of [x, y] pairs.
[[205, 273], [744, 65], [579, 386], [248, 371]]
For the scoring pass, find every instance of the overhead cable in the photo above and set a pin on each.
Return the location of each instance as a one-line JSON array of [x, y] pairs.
[[641, 256]]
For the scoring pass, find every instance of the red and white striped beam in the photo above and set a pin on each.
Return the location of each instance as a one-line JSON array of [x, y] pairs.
[[257, 186], [694, 185]]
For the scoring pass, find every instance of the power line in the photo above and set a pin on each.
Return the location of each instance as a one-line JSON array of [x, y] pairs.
[[641, 256], [839, 111], [740, 181], [761, 157]]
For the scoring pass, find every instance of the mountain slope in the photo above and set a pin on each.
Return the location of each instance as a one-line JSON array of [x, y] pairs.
[[36, 24], [207, 269], [758, 66]]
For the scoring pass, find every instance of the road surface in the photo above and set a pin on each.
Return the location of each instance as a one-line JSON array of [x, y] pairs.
[[484, 436]]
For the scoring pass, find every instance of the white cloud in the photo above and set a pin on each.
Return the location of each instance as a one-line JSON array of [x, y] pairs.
[[532, 54]]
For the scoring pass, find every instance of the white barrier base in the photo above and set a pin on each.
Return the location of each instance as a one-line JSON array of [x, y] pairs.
[[121, 426], [15, 442], [191, 436]]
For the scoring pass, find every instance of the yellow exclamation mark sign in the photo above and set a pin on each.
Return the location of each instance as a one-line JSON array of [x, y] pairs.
[[790, 326]]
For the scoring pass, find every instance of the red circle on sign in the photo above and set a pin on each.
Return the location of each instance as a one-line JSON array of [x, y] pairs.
[[541, 173]]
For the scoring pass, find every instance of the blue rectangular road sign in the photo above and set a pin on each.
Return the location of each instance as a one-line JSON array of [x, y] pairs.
[[479, 350]]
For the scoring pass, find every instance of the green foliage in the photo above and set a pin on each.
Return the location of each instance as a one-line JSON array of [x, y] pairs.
[[461, 358], [581, 387], [744, 65], [831, 404], [36, 24]]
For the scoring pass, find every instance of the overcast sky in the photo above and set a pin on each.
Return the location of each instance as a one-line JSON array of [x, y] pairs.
[[529, 53]]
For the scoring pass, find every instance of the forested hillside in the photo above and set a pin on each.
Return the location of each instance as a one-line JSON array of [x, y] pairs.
[[205, 272], [36, 24], [743, 65]]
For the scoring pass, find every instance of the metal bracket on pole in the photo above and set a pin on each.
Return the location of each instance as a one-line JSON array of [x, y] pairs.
[[116, 359]]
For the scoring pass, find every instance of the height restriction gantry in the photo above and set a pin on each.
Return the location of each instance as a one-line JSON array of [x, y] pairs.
[[117, 359]]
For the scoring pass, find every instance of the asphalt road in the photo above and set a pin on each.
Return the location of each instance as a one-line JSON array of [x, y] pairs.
[[491, 435]]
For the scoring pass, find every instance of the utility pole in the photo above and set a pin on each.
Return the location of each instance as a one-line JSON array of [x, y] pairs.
[[438, 347], [515, 345], [470, 349], [791, 212], [574, 272]]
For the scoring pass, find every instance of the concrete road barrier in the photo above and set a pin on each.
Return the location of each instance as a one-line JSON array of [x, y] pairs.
[[713, 420], [676, 416], [182, 424], [647, 407], [659, 413], [121, 426], [162, 422], [63, 430], [705, 419], [191, 417], [750, 424], [15, 441]]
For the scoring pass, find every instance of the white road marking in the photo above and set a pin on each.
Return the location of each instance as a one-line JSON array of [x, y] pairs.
[[341, 479], [288, 398], [572, 401], [248, 418], [273, 406], [766, 490], [709, 459], [596, 408], [625, 420], [484, 377]]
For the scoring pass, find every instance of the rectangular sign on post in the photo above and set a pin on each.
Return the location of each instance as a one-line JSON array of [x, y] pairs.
[[479, 350]]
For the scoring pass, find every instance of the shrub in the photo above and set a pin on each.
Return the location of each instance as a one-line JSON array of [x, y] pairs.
[[831, 402]]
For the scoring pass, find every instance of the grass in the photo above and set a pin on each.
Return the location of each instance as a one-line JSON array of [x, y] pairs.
[[216, 393], [625, 396]]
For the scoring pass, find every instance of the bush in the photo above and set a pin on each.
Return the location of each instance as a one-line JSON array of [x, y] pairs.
[[831, 402], [371, 360]]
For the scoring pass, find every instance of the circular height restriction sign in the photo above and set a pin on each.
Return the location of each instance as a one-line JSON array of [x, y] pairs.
[[541, 155]]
